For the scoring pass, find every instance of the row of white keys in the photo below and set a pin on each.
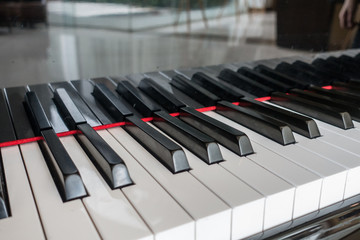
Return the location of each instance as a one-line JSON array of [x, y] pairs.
[[111, 212], [352, 133], [247, 204], [347, 140], [165, 217], [335, 174], [24, 222], [61, 220], [344, 158], [211, 215], [279, 194], [307, 183], [339, 146], [339, 153]]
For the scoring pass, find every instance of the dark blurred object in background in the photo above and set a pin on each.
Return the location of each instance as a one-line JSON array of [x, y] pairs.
[[311, 25], [22, 12]]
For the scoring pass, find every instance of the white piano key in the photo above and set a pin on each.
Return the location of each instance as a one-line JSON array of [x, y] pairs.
[[348, 160], [163, 215], [247, 204], [212, 216], [306, 182], [348, 140], [353, 133], [333, 175], [24, 222], [340, 147], [279, 194], [60, 220], [111, 212]]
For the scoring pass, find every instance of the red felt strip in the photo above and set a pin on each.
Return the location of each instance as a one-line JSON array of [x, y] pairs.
[[327, 87], [175, 114], [206, 109], [21, 141], [149, 119], [263, 99]]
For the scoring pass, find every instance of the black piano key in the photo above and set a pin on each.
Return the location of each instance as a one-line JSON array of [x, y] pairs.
[[302, 125], [322, 112], [168, 153], [350, 60], [7, 134], [334, 67], [44, 94], [71, 113], [266, 126], [231, 138], [280, 76], [197, 142], [357, 57], [347, 87], [192, 89], [319, 71], [323, 78], [66, 176], [244, 83], [346, 58], [265, 80], [75, 97], [108, 82], [160, 95], [85, 89], [351, 98], [228, 85], [200, 144], [21, 123], [349, 66], [216, 87], [6, 127], [337, 75], [137, 99], [111, 166], [298, 123], [163, 81], [352, 109], [37, 112], [111, 85], [110, 102], [305, 76], [4, 203]]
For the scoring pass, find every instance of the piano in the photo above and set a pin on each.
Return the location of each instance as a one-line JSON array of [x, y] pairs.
[[260, 150]]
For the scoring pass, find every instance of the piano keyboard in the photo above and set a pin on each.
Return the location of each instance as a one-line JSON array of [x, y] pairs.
[[235, 151]]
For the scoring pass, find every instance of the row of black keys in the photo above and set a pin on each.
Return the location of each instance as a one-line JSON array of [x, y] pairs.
[[85, 104]]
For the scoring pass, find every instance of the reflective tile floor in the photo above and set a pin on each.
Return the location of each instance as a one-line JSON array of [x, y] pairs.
[[48, 54]]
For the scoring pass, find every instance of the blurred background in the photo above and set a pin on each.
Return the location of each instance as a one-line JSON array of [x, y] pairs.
[[51, 40]]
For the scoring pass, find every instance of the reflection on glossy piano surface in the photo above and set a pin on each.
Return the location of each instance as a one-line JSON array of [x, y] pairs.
[[268, 149]]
